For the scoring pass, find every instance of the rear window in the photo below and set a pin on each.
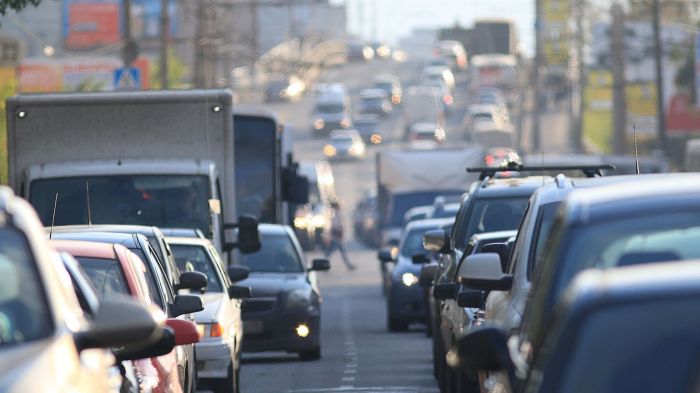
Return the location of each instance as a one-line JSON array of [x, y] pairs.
[[106, 276], [196, 258], [496, 214]]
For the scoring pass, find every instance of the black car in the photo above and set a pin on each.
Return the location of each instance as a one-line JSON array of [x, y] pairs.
[[160, 288], [284, 313], [369, 128], [605, 336]]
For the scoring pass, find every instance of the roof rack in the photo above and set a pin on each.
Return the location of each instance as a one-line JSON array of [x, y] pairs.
[[511, 166]]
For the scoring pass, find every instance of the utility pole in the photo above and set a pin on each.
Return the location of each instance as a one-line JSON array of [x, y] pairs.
[[658, 60], [617, 51], [129, 51], [163, 50], [535, 137], [577, 110]]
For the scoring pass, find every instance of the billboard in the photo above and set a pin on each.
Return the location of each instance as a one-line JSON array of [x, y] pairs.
[[89, 24]]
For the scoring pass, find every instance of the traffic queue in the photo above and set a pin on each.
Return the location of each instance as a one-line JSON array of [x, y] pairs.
[[546, 266]]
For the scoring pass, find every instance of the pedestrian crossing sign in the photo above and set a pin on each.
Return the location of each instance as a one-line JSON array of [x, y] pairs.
[[127, 79]]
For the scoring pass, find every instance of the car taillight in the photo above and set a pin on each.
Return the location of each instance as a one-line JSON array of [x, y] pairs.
[[216, 330]]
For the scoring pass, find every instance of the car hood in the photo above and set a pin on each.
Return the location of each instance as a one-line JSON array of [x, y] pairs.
[[43, 366], [267, 285], [212, 303]]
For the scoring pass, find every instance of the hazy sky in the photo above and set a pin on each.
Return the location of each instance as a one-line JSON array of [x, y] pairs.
[[396, 18]]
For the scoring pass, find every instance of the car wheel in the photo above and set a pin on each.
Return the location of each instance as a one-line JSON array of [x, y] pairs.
[[313, 354], [226, 385]]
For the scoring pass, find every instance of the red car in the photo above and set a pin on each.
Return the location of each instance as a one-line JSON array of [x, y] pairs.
[[114, 269]]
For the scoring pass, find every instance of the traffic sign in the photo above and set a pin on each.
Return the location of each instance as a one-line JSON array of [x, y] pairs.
[[127, 79]]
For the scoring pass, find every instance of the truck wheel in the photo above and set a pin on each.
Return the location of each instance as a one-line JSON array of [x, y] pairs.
[[313, 354]]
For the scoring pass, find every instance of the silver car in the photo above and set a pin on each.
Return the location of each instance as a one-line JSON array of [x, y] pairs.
[[218, 353]]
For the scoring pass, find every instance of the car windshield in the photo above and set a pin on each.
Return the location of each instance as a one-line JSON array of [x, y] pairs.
[[647, 238], [342, 140], [277, 255], [169, 201], [495, 214], [24, 312], [482, 116], [413, 242], [371, 101], [634, 357], [330, 108], [403, 202], [386, 86], [106, 276], [192, 257]]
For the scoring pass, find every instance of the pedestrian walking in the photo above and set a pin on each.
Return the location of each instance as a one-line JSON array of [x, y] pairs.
[[336, 238]]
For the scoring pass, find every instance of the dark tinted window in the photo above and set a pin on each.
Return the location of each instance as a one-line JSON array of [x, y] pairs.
[[330, 108], [170, 201], [497, 214], [106, 276], [153, 289], [24, 313], [196, 258], [277, 255], [255, 155], [543, 226]]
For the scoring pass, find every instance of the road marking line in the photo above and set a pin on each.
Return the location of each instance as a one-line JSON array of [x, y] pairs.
[[350, 371]]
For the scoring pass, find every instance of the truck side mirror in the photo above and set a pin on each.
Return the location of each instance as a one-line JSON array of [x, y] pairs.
[[296, 187], [248, 236]]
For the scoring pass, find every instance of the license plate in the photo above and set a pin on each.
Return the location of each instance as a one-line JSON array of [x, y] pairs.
[[252, 327]]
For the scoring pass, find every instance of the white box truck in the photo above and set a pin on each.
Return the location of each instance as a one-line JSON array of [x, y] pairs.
[[147, 158]]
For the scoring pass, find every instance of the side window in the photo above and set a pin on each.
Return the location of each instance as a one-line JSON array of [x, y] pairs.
[[519, 240], [219, 266], [460, 223], [81, 298], [160, 274]]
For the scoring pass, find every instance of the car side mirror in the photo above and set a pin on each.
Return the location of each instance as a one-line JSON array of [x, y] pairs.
[[119, 322], [486, 348], [186, 304], [185, 331], [420, 259], [195, 281], [446, 291], [427, 275], [239, 292], [471, 298], [484, 272], [248, 235], [320, 265], [437, 240], [237, 273], [161, 347], [385, 255], [501, 249]]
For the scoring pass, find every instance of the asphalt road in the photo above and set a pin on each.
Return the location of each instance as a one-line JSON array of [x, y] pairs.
[[358, 353]]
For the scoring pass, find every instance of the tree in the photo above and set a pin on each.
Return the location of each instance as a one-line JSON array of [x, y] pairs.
[[16, 5]]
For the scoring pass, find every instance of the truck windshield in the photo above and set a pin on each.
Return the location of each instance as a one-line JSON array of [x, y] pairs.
[[167, 201], [255, 150]]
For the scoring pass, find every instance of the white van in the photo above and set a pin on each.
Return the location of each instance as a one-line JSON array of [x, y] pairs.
[[331, 110]]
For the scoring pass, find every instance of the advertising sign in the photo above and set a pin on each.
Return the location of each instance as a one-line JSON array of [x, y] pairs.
[[89, 24]]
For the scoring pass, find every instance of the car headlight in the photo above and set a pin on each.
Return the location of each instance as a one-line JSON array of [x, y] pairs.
[[299, 298], [409, 279], [301, 222], [329, 151], [345, 123], [375, 139], [319, 124], [317, 221]]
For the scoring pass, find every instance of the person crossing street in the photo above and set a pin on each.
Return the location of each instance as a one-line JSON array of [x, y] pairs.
[[336, 237]]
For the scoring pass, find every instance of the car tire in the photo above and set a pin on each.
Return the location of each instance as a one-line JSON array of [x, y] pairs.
[[226, 385], [313, 354]]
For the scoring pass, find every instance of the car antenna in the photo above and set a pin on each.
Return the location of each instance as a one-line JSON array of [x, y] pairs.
[[53, 215], [87, 195], [636, 152]]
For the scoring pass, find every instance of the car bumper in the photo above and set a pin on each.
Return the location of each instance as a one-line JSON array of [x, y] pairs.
[[407, 303], [278, 333], [213, 358]]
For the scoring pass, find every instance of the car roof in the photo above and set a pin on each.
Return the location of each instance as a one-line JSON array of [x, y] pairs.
[[372, 93], [367, 118], [182, 232], [140, 229], [188, 241], [512, 187], [344, 133], [641, 193], [428, 223], [128, 240], [80, 248]]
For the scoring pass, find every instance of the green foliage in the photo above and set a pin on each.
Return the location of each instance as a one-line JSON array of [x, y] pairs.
[[177, 70], [6, 90], [16, 5]]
